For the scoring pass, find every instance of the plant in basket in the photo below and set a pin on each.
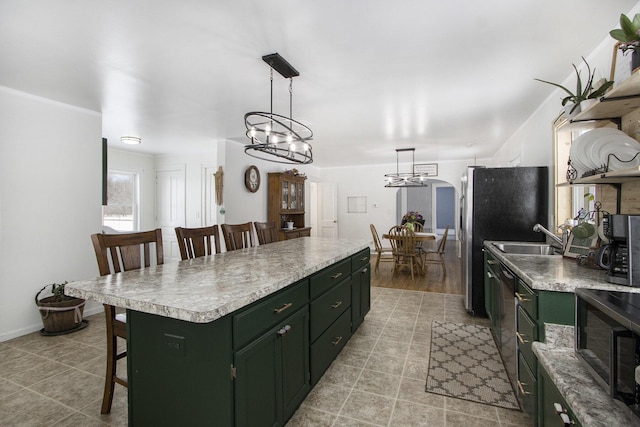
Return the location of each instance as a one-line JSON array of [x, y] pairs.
[[60, 313]]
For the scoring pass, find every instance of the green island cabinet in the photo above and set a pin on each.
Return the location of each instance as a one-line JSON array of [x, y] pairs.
[[252, 367], [534, 309]]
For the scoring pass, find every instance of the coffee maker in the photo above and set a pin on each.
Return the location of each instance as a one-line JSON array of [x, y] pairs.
[[621, 256]]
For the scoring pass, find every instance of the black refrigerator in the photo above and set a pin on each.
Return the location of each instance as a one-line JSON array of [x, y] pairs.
[[498, 204]]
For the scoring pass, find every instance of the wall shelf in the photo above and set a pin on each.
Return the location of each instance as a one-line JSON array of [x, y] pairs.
[[613, 177], [619, 101]]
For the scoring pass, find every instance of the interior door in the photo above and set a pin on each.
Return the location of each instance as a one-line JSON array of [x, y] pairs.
[[445, 209], [170, 206], [327, 210]]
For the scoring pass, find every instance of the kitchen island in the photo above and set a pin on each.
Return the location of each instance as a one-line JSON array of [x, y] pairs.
[[237, 338]]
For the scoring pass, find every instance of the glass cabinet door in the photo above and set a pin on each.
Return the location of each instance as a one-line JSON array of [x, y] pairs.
[[301, 196], [285, 194], [294, 196]]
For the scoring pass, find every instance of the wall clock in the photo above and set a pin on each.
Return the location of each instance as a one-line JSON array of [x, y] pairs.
[[252, 178]]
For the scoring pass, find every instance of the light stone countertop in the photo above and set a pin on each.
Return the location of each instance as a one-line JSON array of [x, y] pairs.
[[588, 400], [554, 272], [204, 289]]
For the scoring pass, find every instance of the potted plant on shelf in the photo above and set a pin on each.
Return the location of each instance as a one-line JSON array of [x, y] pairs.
[[628, 36], [572, 101], [60, 313]]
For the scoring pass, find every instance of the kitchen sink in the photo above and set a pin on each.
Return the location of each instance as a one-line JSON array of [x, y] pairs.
[[525, 248]]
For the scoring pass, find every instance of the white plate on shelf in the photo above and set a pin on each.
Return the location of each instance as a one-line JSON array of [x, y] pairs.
[[623, 146]]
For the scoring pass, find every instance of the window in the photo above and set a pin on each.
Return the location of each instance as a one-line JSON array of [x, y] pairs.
[[121, 211]]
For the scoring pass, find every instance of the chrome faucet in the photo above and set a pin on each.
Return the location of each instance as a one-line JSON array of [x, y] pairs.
[[557, 240]]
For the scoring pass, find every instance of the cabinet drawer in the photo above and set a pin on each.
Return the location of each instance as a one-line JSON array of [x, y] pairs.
[[527, 333], [264, 314], [330, 276], [328, 307], [327, 347], [527, 387], [527, 298], [360, 259], [306, 232]]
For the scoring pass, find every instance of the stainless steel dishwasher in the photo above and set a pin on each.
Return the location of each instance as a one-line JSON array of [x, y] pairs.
[[509, 349]]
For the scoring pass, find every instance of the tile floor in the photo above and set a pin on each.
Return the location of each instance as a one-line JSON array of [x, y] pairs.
[[377, 380]]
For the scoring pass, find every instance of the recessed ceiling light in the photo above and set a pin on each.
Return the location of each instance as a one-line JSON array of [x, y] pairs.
[[131, 140]]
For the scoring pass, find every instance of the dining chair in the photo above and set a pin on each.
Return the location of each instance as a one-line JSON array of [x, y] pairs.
[[418, 227], [237, 236], [403, 244], [116, 253], [266, 232], [384, 253], [428, 254], [196, 242]]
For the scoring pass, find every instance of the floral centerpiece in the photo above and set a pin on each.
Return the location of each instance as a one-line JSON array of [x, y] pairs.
[[411, 217]]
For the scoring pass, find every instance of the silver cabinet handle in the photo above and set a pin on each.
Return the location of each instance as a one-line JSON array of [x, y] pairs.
[[337, 341], [337, 304], [335, 276], [521, 298]]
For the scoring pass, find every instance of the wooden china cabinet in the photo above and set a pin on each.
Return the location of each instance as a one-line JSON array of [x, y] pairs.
[[286, 202]]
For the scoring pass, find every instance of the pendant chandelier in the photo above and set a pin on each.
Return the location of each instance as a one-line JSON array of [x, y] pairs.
[[274, 137], [406, 179]]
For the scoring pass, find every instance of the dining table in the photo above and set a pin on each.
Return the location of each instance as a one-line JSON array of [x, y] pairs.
[[420, 237]]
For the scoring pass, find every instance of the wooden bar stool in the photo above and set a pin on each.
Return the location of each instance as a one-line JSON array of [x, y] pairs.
[[196, 242], [237, 236], [266, 232], [116, 253]]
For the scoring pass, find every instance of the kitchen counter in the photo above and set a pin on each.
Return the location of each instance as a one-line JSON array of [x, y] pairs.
[[204, 289], [587, 399], [554, 272]]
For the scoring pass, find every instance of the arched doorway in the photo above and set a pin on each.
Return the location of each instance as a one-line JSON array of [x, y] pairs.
[[436, 202]]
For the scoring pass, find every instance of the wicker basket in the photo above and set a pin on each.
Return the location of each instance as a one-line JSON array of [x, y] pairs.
[[60, 316]]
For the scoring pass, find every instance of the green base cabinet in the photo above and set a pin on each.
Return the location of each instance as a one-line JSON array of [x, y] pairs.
[[272, 373], [360, 288], [553, 409], [172, 355]]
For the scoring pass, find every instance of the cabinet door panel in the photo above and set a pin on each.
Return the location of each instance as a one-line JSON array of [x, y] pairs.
[[258, 382], [527, 387], [328, 307], [329, 277], [327, 347], [527, 334], [295, 362], [253, 321]]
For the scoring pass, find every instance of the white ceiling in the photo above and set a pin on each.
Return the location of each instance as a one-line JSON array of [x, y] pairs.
[[454, 79]]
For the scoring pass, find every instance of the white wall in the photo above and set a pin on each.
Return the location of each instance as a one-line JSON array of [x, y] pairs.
[[381, 201], [240, 204], [50, 202]]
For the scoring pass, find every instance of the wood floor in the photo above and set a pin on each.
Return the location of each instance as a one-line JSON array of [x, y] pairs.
[[433, 281]]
